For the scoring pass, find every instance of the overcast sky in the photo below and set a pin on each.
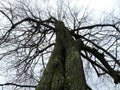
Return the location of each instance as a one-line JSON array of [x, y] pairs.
[[97, 6]]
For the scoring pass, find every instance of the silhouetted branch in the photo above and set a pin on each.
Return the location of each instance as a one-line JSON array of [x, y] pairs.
[[17, 85]]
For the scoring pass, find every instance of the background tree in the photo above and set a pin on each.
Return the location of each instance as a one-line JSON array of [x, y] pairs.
[[68, 40]]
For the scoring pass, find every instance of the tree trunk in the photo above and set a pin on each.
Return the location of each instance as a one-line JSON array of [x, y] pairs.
[[65, 69]]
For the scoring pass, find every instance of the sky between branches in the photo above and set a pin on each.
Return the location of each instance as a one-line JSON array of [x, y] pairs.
[[97, 7]]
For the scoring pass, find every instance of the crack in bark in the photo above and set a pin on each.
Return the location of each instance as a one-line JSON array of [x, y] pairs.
[[64, 70]]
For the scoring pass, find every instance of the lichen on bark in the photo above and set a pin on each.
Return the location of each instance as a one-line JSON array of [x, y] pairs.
[[64, 70]]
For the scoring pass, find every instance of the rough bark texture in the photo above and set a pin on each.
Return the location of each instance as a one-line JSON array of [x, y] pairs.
[[64, 70]]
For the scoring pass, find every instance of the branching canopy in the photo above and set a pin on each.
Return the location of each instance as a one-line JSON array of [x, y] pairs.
[[28, 36]]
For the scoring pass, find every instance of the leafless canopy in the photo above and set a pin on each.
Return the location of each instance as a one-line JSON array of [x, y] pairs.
[[28, 36]]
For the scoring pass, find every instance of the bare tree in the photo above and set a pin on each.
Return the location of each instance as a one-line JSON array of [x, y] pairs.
[[31, 36]]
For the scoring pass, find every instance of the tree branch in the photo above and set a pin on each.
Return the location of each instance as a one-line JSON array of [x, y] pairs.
[[17, 85], [97, 25]]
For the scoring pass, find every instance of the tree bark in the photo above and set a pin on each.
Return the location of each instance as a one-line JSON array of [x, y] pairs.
[[64, 70]]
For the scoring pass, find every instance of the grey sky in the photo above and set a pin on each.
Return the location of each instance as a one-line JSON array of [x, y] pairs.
[[98, 7]]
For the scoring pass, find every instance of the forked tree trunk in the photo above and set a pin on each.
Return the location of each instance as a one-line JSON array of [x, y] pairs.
[[65, 69]]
